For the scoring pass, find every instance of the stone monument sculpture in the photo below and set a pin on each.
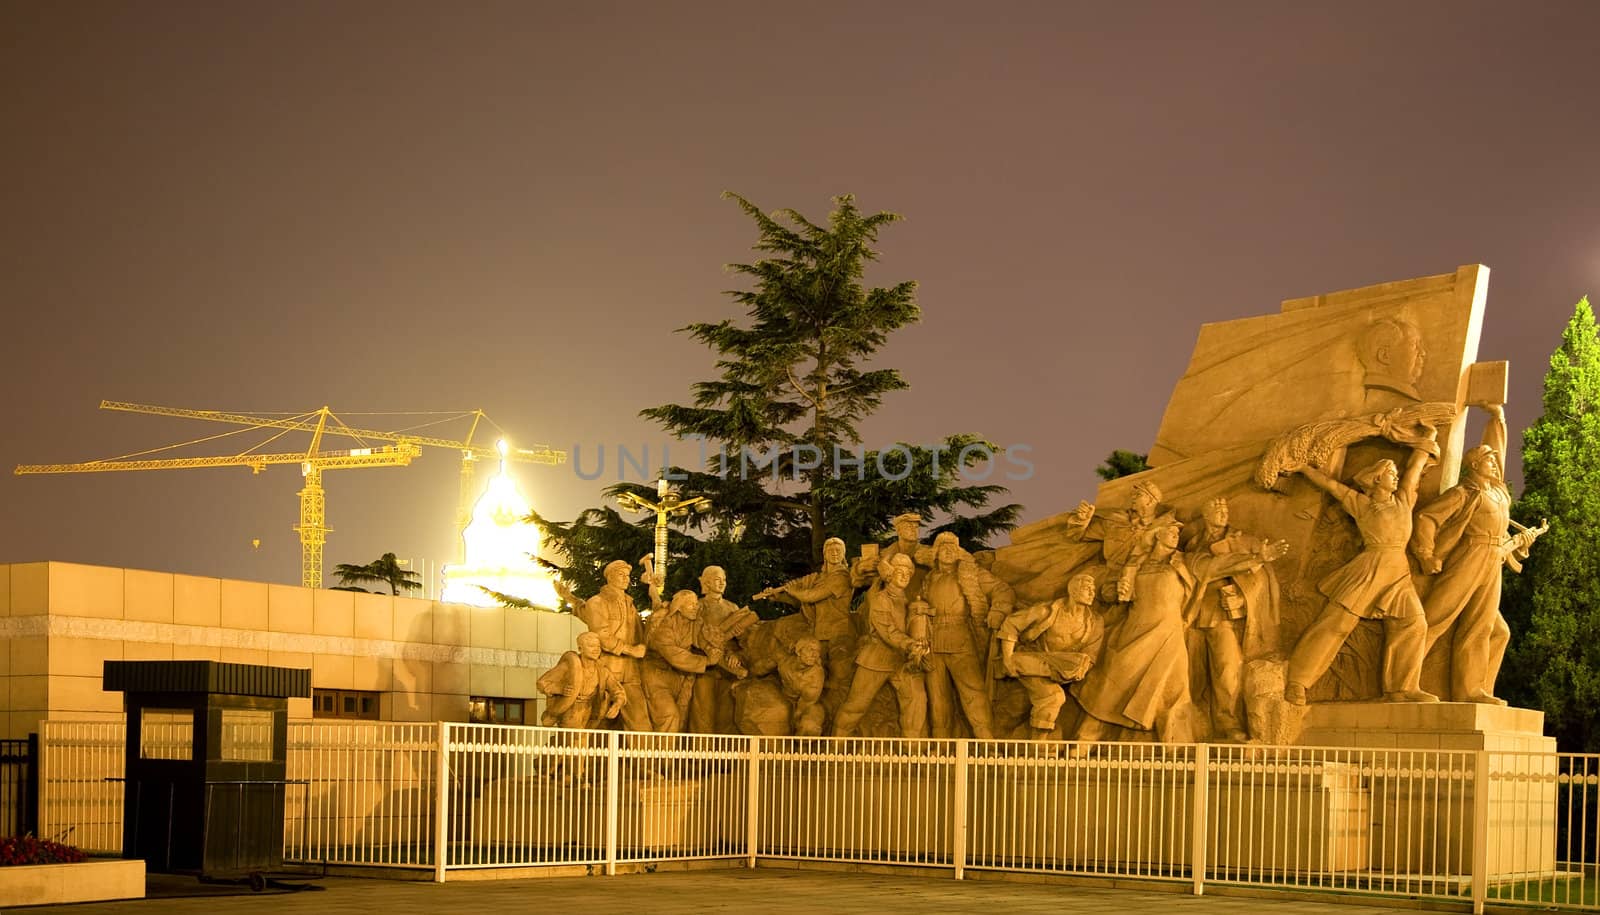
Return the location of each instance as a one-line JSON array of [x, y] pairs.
[[1313, 433], [1048, 645], [802, 674], [1336, 381], [611, 615], [1392, 359], [1142, 682], [1375, 584], [1461, 537], [678, 656], [888, 655], [823, 598], [1317, 454], [1117, 532], [711, 711], [580, 690], [1236, 619], [908, 543], [966, 603]]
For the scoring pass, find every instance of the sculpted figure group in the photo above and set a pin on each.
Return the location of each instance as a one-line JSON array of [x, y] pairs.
[[1163, 627], [1457, 544]]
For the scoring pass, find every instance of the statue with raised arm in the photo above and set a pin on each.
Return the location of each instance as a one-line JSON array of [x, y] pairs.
[[1462, 538], [611, 616], [1376, 584], [1048, 645], [580, 690], [888, 655], [1118, 532], [823, 597], [1142, 682]]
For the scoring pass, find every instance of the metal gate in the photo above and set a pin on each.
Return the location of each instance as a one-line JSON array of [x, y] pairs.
[[19, 785]]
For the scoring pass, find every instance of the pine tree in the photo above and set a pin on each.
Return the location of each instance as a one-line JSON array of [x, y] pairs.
[[794, 384], [1121, 463], [385, 570], [1553, 606]]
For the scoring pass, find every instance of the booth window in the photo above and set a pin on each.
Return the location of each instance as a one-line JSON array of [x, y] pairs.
[[166, 733], [344, 703], [489, 710], [247, 734]]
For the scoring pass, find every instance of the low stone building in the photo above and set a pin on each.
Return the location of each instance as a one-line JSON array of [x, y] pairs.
[[372, 656]]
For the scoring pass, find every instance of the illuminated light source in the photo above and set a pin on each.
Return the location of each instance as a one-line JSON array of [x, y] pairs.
[[669, 504], [500, 548]]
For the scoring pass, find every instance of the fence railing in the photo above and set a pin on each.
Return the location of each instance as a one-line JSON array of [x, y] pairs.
[[361, 793], [80, 784], [19, 771], [1467, 827]]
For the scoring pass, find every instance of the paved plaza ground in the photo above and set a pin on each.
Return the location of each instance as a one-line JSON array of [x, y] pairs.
[[764, 891]]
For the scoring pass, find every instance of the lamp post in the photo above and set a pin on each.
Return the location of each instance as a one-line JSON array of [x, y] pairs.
[[668, 504]]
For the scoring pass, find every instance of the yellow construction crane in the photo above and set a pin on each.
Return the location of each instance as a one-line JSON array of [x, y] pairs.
[[470, 453], [312, 528]]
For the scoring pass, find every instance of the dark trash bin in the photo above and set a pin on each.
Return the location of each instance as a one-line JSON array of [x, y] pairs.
[[206, 764]]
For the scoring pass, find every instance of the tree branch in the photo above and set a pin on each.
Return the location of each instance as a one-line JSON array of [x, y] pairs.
[[789, 370]]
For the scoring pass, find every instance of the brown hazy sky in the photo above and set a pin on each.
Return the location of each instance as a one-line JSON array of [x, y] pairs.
[[405, 206]]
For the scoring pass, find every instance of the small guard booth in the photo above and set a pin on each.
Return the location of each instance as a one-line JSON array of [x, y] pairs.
[[205, 764]]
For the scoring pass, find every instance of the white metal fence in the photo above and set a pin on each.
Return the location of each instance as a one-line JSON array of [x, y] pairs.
[[1462, 826], [80, 784], [361, 793]]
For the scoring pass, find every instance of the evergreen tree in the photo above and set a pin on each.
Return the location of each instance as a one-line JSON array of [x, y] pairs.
[[386, 569], [1553, 606], [793, 386], [1122, 464]]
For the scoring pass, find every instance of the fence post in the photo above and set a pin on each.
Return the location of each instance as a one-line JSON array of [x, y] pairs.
[[1480, 831], [1197, 818], [958, 819], [42, 788], [29, 798], [752, 801], [441, 805], [613, 776]]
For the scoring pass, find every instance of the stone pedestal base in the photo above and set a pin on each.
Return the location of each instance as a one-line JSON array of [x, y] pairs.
[[1426, 726], [1422, 764]]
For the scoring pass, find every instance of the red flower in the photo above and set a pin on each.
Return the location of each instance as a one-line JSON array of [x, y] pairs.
[[23, 850]]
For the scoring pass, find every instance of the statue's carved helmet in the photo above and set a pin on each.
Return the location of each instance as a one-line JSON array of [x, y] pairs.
[[1479, 462]]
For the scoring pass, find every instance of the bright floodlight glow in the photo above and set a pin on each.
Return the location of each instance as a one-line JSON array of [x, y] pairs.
[[500, 546]]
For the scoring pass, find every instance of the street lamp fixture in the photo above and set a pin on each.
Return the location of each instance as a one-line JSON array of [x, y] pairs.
[[668, 503]]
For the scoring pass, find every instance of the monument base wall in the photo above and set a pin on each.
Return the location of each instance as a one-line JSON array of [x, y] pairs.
[[1424, 822]]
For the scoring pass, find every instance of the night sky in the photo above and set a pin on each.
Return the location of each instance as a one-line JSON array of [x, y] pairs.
[[430, 207]]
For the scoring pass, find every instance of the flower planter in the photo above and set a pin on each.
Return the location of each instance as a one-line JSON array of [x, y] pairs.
[[87, 881]]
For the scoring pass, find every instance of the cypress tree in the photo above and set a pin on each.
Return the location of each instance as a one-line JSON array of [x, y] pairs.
[[1553, 606]]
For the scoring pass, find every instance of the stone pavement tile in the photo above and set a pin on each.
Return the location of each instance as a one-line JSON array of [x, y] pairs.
[[766, 891]]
